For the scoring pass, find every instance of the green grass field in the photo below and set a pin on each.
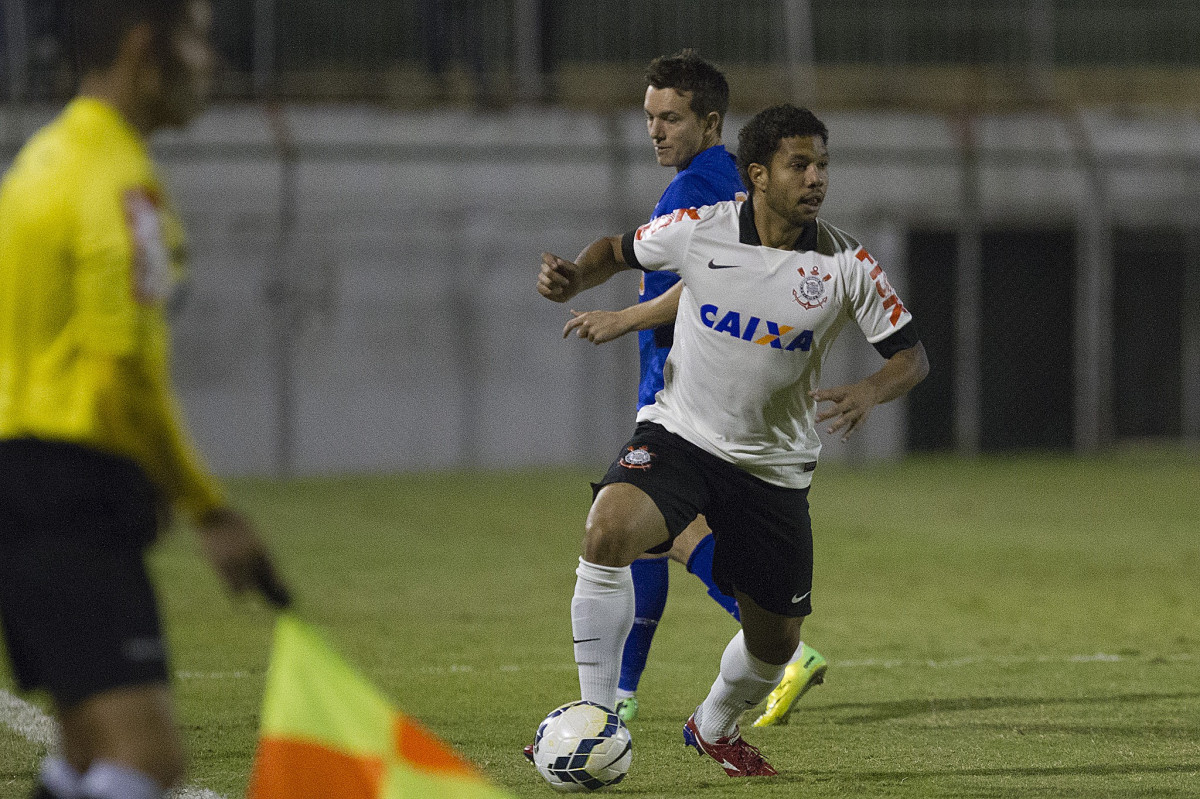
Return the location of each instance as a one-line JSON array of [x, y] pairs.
[[1025, 626]]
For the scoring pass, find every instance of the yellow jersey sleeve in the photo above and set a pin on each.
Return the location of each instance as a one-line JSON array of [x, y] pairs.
[[84, 342]]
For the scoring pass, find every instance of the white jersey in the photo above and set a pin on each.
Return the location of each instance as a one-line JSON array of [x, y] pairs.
[[753, 328]]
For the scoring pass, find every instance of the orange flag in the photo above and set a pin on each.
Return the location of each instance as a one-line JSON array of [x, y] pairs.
[[327, 733]]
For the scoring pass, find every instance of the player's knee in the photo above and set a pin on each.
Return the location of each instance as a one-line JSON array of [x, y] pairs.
[[607, 541], [622, 524]]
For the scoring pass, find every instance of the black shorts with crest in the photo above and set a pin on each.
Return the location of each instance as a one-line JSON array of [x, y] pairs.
[[762, 532]]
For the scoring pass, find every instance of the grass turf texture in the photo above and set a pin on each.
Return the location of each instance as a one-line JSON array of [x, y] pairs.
[[1024, 626]]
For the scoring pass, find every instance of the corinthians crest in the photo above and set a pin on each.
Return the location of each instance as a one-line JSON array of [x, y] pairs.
[[811, 291], [637, 458]]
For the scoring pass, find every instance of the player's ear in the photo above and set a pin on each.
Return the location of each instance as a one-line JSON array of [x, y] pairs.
[[712, 123], [758, 176], [138, 45]]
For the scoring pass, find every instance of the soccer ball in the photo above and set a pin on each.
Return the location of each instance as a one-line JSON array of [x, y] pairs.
[[582, 746]]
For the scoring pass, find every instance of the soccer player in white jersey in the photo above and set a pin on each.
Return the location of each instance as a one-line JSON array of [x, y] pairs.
[[732, 435], [685, 104]]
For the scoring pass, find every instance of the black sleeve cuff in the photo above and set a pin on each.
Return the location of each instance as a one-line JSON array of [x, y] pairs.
[[905, 338], [628, 253]]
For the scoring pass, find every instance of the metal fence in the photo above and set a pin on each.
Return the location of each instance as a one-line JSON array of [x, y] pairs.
[[1053, 255], [365, 48]]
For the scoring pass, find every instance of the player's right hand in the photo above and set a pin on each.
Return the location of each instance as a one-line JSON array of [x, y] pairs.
[[240, 557], [558, 279]]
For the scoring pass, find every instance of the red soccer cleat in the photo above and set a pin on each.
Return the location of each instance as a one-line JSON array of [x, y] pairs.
[[738, 758]]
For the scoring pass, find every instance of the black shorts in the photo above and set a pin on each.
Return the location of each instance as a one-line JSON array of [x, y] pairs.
[[762, 532], [78, 611]]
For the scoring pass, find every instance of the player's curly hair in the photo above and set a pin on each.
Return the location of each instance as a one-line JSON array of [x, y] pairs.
[[99, 26], [759, 138], [686, 71]]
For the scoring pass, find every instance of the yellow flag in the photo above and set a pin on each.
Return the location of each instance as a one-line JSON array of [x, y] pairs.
[[327, 733]]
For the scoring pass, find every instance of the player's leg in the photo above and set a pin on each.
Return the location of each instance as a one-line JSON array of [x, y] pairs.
[[693, 549], [751, 666], [623, 523], [806, 669], [124, 743], [763, 557], [650, 582], [81, 619], [646, 498]]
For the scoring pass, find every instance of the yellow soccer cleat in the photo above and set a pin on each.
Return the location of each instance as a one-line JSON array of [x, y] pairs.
[[799, 676]]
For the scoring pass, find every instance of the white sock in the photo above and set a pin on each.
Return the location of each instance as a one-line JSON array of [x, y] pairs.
[[601, 617], [59, 777], [796, 658], [744, 681], [109, 780]]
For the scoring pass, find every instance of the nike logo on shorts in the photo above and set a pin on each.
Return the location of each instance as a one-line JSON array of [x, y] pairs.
[[798, 599]]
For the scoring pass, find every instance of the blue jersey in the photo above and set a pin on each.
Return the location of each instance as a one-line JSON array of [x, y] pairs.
[[710, 177]]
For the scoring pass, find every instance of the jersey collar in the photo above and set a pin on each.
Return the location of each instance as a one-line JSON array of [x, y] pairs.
[[748, 233], [707, 155], [98, 114]]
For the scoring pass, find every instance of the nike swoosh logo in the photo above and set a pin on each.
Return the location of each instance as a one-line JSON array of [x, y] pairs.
[[715, 265], [585, 640], [798, 599]]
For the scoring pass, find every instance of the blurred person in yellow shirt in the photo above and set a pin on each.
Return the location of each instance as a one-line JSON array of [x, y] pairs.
[[93, 455]]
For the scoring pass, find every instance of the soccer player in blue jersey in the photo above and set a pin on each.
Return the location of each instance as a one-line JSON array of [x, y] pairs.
[[685, 104]]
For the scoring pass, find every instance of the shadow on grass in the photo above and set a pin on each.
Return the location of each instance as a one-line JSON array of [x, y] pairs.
[[1091, 770], [872, 712], [944, 782]]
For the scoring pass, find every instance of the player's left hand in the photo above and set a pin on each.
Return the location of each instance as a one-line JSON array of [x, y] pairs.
[[852, 405], [597, 326]]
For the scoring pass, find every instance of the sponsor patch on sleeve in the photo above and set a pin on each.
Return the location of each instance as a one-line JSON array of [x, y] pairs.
[[658, 223], [152, 275]]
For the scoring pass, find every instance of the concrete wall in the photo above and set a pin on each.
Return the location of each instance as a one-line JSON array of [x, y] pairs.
[[362, 293]]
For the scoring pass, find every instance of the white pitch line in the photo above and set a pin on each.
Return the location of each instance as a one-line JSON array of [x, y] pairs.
[[33, 725], [870, 663], [27, 720]]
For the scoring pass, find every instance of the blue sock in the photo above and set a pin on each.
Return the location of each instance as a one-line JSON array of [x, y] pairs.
[[650, 598], [700, 564]]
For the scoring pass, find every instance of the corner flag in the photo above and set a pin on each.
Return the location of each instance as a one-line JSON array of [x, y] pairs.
[[327, 733]]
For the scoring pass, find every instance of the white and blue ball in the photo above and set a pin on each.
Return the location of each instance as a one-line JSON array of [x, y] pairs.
[[582, 746]]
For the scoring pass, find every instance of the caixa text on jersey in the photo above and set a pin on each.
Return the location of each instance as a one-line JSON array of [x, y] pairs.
[[769, 334]]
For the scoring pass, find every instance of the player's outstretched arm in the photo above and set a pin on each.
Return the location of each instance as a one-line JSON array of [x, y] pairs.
[[853, 403], [601, 326], [560, 280], [240, 557]]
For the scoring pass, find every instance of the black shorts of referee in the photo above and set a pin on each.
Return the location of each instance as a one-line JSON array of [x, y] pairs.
[[76, 604], [762, 533]]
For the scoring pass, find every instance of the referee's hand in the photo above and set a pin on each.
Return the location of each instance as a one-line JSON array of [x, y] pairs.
[[240, 557]]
